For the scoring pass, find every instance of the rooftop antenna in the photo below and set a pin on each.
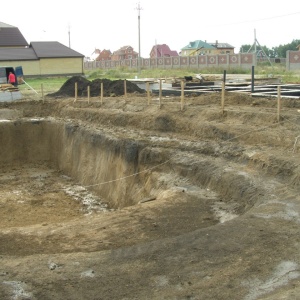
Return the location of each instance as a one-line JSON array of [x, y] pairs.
[[261, 49], [139, 35]]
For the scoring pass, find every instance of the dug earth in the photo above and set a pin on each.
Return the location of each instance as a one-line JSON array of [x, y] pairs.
[[128, 198]]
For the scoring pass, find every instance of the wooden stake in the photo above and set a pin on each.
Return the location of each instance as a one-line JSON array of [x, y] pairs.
[[42, 89], [148, 92], [278, 103], [223, 96], [75, 92], [125, 89], [101, 93], [182, 94], [160, 92]]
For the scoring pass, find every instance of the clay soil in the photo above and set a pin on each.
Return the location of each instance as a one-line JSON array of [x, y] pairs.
[[222, 223]]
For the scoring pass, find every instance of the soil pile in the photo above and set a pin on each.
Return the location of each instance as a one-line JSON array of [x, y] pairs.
[[110, 87]]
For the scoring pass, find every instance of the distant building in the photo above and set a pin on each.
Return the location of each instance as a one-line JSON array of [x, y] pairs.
[[104, 55], [162, 51], [94, 55], [222, 48], [199, 47], [37, 58], [125, 52]]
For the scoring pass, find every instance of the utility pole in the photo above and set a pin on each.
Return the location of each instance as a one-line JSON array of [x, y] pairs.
[[139, 36], [69, 33]]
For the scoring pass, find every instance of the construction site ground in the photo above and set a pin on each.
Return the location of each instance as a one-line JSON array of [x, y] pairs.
[[221, 221]]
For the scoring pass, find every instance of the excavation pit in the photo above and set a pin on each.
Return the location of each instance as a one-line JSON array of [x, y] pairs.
[[200, 203], [55, 171]]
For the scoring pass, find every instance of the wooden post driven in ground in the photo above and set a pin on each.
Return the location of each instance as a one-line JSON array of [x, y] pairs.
[[160, 92], [42, 89], [101, 93], [75, 92], [182, 94], [278, 103], [148, 92], [223, 96], [125, 89], [89, 93]]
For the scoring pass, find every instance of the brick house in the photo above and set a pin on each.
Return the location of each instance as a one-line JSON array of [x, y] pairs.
[[162, 51], [125, 52], [104, 55]]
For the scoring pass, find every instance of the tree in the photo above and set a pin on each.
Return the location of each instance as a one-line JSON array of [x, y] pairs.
[[282, 49]]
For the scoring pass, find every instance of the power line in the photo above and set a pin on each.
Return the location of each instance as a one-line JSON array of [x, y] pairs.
[[258, 20]]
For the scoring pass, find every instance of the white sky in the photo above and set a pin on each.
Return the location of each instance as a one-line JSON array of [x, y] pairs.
[[114, 24]]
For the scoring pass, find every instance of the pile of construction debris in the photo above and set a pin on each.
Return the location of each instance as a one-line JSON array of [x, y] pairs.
[[110, 87], [8, 92], [7, 87]]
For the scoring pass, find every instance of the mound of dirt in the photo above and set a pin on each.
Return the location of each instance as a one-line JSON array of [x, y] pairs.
[[110, 87]]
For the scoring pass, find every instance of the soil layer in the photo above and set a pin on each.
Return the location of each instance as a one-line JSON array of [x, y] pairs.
[[221, 221]]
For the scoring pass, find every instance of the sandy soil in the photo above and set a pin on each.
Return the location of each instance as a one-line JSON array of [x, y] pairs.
[[224, 222]]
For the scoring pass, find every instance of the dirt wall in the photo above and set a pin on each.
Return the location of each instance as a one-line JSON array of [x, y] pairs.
[[120, 171]]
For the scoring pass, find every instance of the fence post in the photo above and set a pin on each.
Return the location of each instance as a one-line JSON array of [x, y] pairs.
[[89, 93]]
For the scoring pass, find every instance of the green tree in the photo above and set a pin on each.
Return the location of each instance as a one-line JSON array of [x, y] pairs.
[[282, 49]]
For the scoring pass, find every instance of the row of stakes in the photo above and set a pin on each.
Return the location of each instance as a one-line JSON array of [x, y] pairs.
[[160, 95]]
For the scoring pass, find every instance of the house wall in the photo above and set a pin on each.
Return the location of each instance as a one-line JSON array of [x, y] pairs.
[[54, 66], [29, 67], [48, 67], [45, 67]]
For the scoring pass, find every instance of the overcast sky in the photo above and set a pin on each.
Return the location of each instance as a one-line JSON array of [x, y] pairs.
[[86, 25]]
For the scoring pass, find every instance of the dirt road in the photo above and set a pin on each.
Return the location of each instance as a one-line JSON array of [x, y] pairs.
[[215, 214]]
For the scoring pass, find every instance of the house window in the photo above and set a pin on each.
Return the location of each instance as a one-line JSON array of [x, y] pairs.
[[129, 56]]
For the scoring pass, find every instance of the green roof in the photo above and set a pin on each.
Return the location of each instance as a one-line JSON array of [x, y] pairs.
[[196, 45]]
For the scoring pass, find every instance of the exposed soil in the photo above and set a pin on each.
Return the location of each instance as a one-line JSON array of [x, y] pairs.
[[110, 87], [216, 215]]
